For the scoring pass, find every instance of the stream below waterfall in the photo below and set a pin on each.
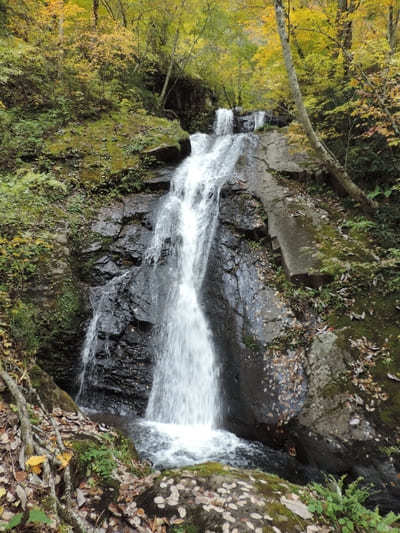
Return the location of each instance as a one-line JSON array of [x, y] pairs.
[[183, 418]]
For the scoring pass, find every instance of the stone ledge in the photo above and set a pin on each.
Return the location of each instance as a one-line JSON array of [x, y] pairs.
[[292, 222]]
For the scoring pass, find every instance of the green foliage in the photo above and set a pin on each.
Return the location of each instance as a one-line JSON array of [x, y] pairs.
[[37, 516], [343, 507], [14, 522], [27, 201], [24, 326], [251, 343], [68, 306], [185, 528], [255, 245], [359, 224], [99, 460], [391, 450], [20, 258]]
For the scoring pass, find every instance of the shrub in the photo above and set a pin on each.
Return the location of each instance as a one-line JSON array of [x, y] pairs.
[[343, 507]]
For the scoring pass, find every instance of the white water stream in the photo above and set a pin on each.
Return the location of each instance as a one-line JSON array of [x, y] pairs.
[[88, 354], [184, 408], [259, 120], [185, 387]]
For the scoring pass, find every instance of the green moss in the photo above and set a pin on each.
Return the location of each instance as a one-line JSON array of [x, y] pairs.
[[185, 528], [68, 305], [283, 518], [24, 325], [51, 395], [381, 329], [101, 152], [204, 470]]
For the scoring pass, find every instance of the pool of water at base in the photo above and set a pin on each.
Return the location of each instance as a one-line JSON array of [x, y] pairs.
[[168, 446]]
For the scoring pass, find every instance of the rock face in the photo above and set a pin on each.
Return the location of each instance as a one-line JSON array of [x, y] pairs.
[[276, 385], [260, 387], [246, 122], [122, 298], [168, 153], [292, 221]]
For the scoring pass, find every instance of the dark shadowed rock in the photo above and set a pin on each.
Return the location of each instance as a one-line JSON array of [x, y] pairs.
[[247, 316], [161, 180], [109, 220], [170, 153]]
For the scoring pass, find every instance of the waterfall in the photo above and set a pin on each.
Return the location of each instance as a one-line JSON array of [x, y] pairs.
[[259, 120], [184, 410], [185, 387], [109, 293]]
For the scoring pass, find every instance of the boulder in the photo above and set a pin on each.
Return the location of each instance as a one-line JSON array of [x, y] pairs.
[[261, 388], [293, 221], [170, 153], [218, 498]]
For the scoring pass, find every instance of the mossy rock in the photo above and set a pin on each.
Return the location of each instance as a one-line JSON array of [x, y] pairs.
[[381, 329], [99, 152], [51, 395], [212, 496]]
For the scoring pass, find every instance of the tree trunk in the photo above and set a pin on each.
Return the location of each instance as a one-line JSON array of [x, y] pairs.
[[345, 9], [393, 23], [96, 12], [61, 39], [169, 71], [163, 94], [123, 13], [338, 173]]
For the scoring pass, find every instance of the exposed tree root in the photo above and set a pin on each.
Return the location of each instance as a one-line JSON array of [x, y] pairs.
[[33, 444]]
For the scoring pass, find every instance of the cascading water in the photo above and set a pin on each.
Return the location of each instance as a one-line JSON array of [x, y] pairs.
[[88, 355], [184, 408], [259, 120], [185, 387]]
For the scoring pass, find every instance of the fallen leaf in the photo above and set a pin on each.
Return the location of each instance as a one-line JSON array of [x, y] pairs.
[[393, 378], [20, 476], [22, 496], [80, 498], [36, 460], [298, 508], [2, 492], [114, 509], [64, 459]]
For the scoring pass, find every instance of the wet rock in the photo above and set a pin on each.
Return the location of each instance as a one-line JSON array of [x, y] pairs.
[[105, 268], [249, 219], [138, 205], [161, 180], [247, 316], [132, 242], [327, 415], [170, 153], [93, 247], [245, 123], [109, 220]]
